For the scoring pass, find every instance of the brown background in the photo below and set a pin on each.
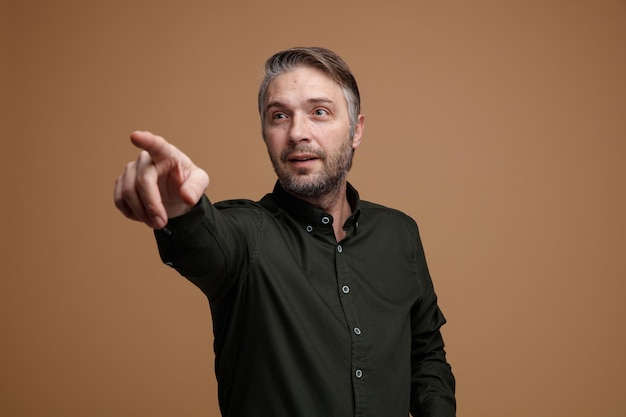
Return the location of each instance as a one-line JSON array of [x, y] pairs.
[[500, 126]]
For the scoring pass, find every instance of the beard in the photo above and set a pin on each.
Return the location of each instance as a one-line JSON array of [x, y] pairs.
[[311, 186]]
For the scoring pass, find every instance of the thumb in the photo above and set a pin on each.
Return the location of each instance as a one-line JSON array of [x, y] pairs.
[[194, 186]]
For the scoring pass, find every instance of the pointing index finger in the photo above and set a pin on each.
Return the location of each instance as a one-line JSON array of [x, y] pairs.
[[155, 145]]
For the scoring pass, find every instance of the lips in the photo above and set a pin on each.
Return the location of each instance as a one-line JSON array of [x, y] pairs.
[[302, 157]]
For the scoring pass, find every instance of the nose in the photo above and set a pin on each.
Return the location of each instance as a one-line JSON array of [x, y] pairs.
[[299, 129]]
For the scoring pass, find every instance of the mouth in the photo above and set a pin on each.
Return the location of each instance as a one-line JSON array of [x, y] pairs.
[[302, 158]]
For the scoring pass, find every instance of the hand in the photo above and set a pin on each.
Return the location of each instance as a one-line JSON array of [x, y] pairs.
[[162, 183]]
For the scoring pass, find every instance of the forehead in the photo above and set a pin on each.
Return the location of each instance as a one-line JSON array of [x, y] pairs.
[[305, 82]]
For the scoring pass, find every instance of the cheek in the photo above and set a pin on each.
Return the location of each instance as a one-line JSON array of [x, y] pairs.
[[274, 135], [273, 145]]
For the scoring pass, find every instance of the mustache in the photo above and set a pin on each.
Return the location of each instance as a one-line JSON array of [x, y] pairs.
[[302, 148]]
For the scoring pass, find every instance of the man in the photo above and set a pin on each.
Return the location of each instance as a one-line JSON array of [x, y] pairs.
[[322, 303]]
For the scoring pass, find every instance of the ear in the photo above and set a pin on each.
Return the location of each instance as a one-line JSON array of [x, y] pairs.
[[358, 131]]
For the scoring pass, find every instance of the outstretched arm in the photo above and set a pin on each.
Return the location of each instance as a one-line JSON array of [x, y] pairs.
[[162, 183]]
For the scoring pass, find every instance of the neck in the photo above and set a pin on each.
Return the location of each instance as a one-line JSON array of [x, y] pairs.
[[336, 204]]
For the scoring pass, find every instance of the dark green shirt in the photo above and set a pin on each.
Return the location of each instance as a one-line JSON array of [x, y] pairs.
[[308, 326]]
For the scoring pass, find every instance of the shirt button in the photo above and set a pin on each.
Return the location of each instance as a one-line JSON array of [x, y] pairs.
[[339, 249], [167, 231], [358, 373], [325, 220], [345, 289], [357, 331], [309, 229], [169, 264]]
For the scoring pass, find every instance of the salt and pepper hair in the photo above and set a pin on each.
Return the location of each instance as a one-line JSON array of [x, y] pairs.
[[323, 59]]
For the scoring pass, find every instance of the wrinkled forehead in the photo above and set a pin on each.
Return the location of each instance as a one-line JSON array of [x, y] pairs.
[[303, 82]]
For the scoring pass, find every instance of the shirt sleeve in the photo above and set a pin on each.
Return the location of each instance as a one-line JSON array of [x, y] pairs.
[[211, 247], [432, 381]]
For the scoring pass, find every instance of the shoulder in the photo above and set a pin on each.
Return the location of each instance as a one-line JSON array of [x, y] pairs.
[[388, 222], [266, 203], [239, 211], [236, 204]]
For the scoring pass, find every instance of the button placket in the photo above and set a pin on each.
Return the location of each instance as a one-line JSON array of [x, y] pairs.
[[358, 359]]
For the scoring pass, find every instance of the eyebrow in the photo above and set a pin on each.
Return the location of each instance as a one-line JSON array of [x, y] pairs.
[[314, 100]]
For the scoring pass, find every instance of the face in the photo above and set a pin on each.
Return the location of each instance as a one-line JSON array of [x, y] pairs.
[[307, 132]]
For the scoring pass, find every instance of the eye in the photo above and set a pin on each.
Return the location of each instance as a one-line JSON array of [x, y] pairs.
[[320, 112], [278, 116]]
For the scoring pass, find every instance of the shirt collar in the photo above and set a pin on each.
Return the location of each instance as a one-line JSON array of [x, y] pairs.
[[311, 215]]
